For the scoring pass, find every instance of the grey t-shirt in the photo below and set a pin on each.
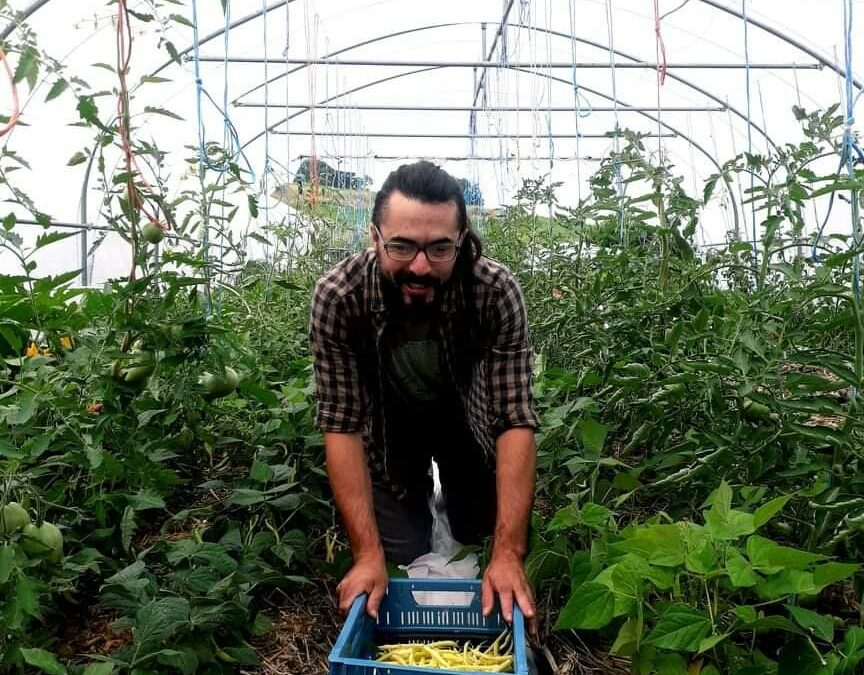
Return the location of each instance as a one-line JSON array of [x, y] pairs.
[[413, 365]]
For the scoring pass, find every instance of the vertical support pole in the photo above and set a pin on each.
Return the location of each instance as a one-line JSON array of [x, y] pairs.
[[85, 276], [504, 32], [82, 217], [483, 58]]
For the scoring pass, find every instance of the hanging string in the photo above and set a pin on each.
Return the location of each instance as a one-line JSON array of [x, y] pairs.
[[755, 252], [265, 174], [312, 49], [549, 24], [227, 140], [577, 99], [231, 139], [851, 146], [536, 102], [725, 194], [619, 181], [286, 52], [764, 118], [738, 235], [136, 197], [850, 153], [658, 18], [660, 56], [503, 88], [551, 146], [693, 175]]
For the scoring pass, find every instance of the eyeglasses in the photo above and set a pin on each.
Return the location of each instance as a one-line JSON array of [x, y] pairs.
[[404, 250]]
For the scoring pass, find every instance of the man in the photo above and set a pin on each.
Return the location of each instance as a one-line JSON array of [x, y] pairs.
[[421, 351]]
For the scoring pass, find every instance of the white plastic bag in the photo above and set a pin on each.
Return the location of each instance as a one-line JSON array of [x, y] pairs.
[[436, 563]]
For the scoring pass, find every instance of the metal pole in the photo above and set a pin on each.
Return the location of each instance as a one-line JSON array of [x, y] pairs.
[[82, 217], [477, 83], [568, 65], [221, 31], [495, 109], [394, 134], [68, 226], [465, 158], [85, 276], [21, 17], [90, 226]]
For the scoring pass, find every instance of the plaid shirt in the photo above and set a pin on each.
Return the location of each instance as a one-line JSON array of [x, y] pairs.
[[347, 326]]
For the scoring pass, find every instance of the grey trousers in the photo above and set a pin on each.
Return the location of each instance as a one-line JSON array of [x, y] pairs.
[[405, 525]]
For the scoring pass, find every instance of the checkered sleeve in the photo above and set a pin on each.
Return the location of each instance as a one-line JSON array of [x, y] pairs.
[[341, 398], [511, 360]]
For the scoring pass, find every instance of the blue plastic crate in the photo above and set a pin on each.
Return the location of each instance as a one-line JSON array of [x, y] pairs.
[[402, 619]]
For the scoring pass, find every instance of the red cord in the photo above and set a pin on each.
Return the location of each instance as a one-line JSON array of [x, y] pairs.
[[661, 47], [124, 57], [662, 66], [16, 108]]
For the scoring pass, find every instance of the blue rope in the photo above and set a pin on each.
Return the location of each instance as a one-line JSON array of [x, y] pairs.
[[231, 138], [577, 95], [265, 174], [850, 145], [859, 159], [851, 153]]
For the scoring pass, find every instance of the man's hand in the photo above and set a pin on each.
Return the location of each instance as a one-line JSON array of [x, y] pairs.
[[368, 575], [352, 490], [505, 577], [505, 574]]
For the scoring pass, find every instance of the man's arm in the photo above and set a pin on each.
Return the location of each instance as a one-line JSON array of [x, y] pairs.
[[510, 368], [341, 415], [505, 574], [352, 491]]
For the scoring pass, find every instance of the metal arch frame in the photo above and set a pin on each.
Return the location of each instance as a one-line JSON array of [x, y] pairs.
[[597, 45], [779, 34], [833, 65], [659, 122], [383, 107], [495, 65], [649, 116], [356, 45]]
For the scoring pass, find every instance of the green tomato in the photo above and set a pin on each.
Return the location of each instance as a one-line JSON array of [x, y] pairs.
[[140, 366], [216, 386], [757, 412], [51, 536], [13, 517], [138, 374], [45, 538], [152, 233]]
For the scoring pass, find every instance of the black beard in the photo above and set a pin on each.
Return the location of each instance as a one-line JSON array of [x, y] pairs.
[[417, 309]]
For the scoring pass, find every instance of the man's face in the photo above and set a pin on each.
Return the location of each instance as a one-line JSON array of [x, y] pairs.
[[407, 222]]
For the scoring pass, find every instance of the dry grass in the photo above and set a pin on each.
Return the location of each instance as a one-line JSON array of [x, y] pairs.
[[305, 625], [568, 654]]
